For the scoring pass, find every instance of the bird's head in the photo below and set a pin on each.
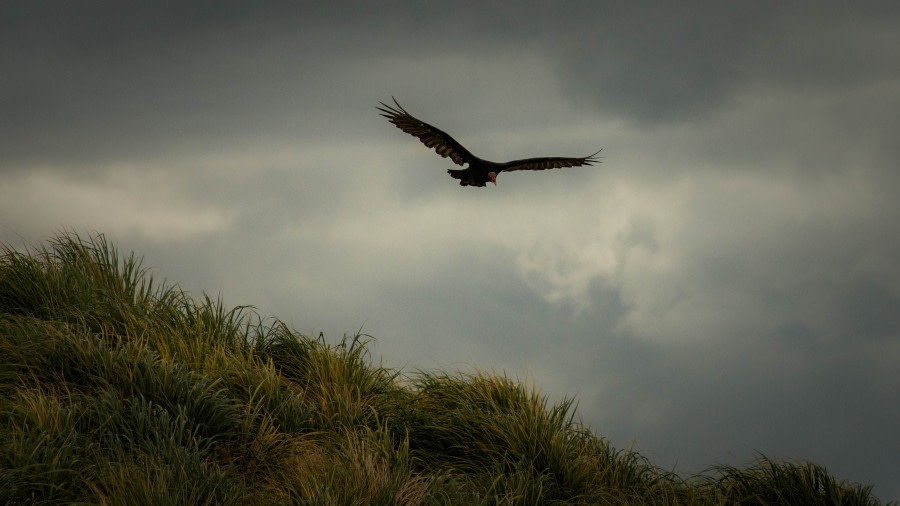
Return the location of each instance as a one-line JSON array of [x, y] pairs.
[[492, 177]]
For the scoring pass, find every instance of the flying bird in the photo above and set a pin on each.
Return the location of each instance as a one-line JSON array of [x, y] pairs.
[[478, 172]]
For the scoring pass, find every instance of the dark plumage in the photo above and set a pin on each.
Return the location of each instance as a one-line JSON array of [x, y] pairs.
[[478, 172]]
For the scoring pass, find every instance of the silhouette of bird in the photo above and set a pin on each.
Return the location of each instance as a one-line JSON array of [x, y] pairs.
[[478, 172]]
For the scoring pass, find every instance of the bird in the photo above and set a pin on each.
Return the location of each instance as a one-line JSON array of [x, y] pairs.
[[477, 172]]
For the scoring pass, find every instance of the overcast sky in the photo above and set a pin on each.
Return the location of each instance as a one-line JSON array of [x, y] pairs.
[[727, 281]]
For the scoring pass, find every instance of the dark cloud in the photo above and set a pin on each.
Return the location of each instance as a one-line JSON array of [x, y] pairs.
[[662, 62], [112, 80], [659, 63]]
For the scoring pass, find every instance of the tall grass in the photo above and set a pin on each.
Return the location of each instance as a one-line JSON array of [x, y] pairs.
[[116, 389]]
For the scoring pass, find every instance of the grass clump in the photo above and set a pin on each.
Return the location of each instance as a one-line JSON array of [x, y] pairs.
[[116, 389]]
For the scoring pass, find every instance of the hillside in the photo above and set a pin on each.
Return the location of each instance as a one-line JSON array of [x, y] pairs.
[[117, 389]]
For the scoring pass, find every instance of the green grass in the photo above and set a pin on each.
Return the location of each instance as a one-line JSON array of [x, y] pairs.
[[116, 389]]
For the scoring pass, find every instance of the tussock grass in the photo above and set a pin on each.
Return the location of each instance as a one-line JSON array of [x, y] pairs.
[[116, 389]]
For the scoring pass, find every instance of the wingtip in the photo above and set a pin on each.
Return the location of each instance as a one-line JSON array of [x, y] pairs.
[[390, 111], [398, 104], [591, 159], [387, 111]]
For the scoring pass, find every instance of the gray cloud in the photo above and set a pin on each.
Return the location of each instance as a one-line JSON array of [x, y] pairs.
[[657, 62]]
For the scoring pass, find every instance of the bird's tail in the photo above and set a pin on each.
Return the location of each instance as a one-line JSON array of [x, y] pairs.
[[462, 174]]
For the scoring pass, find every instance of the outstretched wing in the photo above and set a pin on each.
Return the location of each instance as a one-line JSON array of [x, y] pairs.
[[430, 136], [553, 162]]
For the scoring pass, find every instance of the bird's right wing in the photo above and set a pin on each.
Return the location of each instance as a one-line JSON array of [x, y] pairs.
[[552, 162], [430, 136]]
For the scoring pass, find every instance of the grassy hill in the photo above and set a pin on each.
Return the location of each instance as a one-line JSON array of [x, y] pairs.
[[116, 389]]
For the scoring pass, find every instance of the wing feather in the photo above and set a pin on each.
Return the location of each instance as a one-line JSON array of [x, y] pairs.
[[551, 162], [430, 136]]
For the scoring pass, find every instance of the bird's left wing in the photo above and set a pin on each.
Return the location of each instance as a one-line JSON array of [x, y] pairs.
[[553, 162], [430, 136]]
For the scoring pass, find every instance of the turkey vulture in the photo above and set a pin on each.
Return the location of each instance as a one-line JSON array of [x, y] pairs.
[[479, 171]]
